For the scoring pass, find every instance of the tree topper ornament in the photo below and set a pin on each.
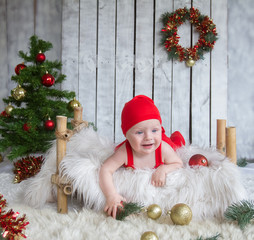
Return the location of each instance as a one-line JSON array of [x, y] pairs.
[[203, 24]]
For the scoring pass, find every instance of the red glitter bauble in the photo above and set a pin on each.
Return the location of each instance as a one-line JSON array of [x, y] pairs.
[[47, 80], [19, 67], [40, 57], [198, 160], [49, 124]]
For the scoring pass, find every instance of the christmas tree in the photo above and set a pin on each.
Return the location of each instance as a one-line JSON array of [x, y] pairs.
[[28, 121]]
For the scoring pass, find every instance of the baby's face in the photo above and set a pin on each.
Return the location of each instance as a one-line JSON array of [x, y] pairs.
[[145, 137]]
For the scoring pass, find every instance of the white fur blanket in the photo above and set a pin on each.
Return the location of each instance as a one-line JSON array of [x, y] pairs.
[[207, 190]]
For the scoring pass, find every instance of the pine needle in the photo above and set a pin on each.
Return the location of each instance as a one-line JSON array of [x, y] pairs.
[[242, 212], [128, 208], [209, 238], [242, 162]]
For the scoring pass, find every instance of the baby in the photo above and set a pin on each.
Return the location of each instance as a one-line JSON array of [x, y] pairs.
[[146, 146]]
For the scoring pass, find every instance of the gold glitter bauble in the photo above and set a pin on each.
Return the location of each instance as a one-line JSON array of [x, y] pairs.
[[181, 214], [74, 104], [13, 91], [18, 93], [154, 211], [149, 236], [9, 109], [190, 62]]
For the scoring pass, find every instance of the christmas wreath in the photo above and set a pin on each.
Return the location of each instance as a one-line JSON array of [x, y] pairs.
[[203, 24]]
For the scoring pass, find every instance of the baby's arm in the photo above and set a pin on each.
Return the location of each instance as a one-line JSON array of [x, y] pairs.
[[171, 163], [113, 199]]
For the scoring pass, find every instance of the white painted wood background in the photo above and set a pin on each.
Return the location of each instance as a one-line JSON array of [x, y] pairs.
[[111, 51]]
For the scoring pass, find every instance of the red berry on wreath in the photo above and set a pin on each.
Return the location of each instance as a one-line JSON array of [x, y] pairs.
[[47, 80], [198, 160], [19, 67], [49, 124], [40, 57]]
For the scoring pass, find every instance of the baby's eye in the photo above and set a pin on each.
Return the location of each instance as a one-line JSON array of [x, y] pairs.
[[139, 132], [154, 130]]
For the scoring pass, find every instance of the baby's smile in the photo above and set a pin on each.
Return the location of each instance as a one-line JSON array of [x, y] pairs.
[[149, 145]]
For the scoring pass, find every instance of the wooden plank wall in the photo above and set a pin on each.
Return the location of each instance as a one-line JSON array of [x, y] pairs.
[[110, 52], [19, 20]]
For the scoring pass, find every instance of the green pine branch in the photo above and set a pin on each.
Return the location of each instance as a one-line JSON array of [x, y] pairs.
[[209, 238], [242, 212], [242, 162], [128, 209], [36, 45]]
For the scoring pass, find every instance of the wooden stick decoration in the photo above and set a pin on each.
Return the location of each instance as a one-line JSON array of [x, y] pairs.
[[78, 113], [62, 204], [231, 144], [77, 123], [221, 136]]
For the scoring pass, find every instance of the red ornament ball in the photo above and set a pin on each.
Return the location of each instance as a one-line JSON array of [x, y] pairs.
[[19, 67], [26, 127], [49, 124], [47, 80], [40, 57], [198, 160]]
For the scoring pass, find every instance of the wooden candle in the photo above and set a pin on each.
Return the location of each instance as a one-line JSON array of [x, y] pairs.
[[221, 136], [78, 113], [231, 144]]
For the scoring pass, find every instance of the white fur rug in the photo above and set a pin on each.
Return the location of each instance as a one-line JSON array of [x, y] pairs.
[[87, 224], [208, 191]]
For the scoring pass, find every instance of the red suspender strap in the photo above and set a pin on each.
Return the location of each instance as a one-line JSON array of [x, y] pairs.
[[158, 157], [130, 162], [119, 145]]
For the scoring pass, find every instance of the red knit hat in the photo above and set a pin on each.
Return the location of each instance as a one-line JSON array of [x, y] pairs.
[[139, 109]]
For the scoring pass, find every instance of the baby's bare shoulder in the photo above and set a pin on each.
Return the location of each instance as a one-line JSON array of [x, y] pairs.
[[119, 156], [168, 154], [166, 148]]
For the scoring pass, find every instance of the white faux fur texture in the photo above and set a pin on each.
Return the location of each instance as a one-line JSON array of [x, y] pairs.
[[207, 190]]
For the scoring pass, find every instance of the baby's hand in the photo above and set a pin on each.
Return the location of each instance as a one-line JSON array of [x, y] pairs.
[[159, 177], [112, 203]]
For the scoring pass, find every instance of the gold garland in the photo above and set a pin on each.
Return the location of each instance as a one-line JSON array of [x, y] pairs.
[[203, 24]]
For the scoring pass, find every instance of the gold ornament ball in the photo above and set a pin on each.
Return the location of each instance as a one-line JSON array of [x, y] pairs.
[[181, 214], [19, 93], [190, 62], [9, 109], [149, 236], [13, 92], [74, 104], [154, 211]]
